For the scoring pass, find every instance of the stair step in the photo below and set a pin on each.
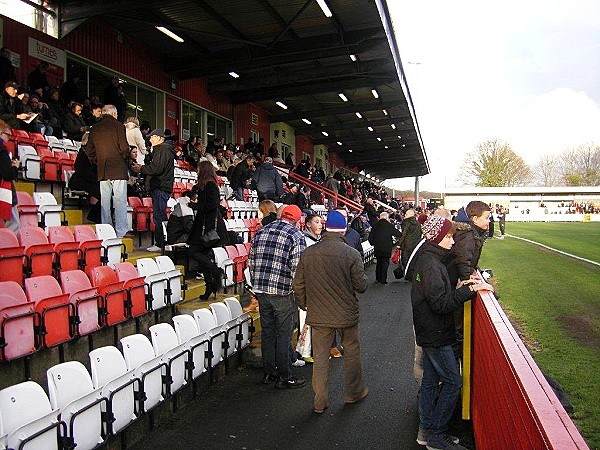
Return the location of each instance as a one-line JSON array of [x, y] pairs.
[[25, 186], [188, 306], [74, 216]]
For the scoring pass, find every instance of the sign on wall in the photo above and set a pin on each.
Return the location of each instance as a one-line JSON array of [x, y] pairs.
[[48, 53]]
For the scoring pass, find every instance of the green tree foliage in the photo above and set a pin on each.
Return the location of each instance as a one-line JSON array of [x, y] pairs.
[[493, 164]]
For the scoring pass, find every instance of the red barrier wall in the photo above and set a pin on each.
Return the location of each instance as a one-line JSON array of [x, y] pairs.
[[513, 407]]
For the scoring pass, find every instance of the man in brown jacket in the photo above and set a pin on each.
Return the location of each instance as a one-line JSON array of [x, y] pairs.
[[107, 144], [327, 278]]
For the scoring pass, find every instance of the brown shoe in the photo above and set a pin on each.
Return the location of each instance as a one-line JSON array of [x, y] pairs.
[[364, 393], [335, 353]]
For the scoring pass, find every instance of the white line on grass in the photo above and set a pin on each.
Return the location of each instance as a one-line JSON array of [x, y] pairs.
[[556, 250]]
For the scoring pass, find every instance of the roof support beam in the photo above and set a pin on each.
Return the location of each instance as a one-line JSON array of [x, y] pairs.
[[289, 24], [221, 20], [280, 20]]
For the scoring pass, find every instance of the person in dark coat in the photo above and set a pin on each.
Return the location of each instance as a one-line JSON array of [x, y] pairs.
[[267, 179], [37, 79], [289, 160], [370, 211], [241, 175], [85, 178], [108, 147], [7, 70], [73, 123], [381, 237], [434, 299], [411, 235], [8, 106], [207, 217], [115, 95], [9, 215], [160, 176], [302, 168]]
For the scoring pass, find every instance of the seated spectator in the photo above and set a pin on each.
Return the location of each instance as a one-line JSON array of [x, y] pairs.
[[73, 123], [362, 227], [181, 219], [56, 113], [42, 118], [69, 92], [135, 138], [8, 106], [303, 168]]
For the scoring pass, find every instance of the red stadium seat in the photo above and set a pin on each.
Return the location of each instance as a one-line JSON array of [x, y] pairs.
[[147, 201], [39, 252], [11, 147], [65, 247], [241, 261], [53, 308], [17, 318], [238, 263], [50, 168], [65, 162], [28, 210], [142, 215], [85, 299], [21, 137], [135, 286], [12, 257], [114, 294], [178, 189], [90, 247]]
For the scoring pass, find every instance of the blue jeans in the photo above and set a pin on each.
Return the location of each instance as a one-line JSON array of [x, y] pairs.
[[159, 214], [439, 364], [277, 322], [117, 190]]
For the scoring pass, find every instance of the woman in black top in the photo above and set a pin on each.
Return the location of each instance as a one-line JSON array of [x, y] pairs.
[[207, 217]]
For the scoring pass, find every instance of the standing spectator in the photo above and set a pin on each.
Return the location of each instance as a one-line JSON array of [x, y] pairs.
[[7, 70], [411, 235], [135, 138], [107, 146], [8, 105], [269, 184], [115, 95], [73, 123], [273, 259], [302, 168], [85, 178], [37, 79], [267, 212], [332, 184], [325, 285], [289, 159], [272, 152], [69, 91], [381, 237], [56, 112], [370, 211], [9, 216], [160, 176], [434, 299], [491, 225], [241, 176], [362, 226], [501, 221]]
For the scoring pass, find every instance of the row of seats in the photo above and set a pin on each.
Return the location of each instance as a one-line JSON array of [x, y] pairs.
[[83, 409], [46, 314]]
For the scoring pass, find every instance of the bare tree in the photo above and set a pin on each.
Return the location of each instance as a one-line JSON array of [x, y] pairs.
[[581, 165], [548, 171], [494, 163]]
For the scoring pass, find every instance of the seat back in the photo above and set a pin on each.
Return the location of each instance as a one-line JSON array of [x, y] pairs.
[[166, 345], [16, 322], [112, 244], [135, 285], [155, 280], [26, 411], [112, 290], [84, 233], [65, 247], [224, 262], [244, 319], [60, 234], [49, 209], [229, 325], [12, 256], [139, 357], [188, 334], [173, 275], [39, 251], [207, 324], [84, 297], [90, 247]]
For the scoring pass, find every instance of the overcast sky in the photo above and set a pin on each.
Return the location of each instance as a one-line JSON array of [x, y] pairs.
[[524, 71]]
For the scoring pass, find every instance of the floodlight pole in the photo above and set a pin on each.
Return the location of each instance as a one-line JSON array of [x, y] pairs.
[[416, 191]]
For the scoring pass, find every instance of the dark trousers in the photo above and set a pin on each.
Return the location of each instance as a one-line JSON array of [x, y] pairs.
[[213, 275], [381, 269], [277, 313], [159, 215]]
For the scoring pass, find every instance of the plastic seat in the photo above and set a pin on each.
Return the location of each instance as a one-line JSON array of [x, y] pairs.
[[226, 263], [12, 257], [26, 412], [90, 247], [175, 279], [207, 324], [245, 321], [135, 286], [51, 213], [30, 161], [116, 383], [114, 249], [17, 319], [142, 214], [70, 389], [227, 324], [65, 247], [139, 357], [147, 201], [50, 168], [65, 163], [173, 354], [85, 299], [114, 305], [156, 283], [28, 210], [40, 253], [197, 344]]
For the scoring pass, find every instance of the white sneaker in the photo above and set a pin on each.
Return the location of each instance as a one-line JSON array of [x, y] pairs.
[[153, 248], [298, 363]]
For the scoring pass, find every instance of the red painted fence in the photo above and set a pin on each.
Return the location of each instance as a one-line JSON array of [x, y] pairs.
[[513, 407]]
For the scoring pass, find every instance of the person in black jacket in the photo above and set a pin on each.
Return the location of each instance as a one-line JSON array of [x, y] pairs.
[[411, 235], [85, 179], [8, 173], [381, 237], [160, 175], [8, 105], [241, 176], [207, 218], [73, 123], [434, 299]]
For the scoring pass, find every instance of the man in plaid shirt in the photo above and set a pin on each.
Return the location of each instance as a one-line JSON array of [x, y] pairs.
[[273, 259]]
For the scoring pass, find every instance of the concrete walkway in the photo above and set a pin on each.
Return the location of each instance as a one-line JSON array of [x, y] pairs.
[[239, 412]]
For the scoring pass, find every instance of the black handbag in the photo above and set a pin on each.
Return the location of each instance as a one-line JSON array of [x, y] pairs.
[[399, 271], [210, 238]]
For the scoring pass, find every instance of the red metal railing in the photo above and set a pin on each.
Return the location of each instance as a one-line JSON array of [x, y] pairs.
[[513, 406]]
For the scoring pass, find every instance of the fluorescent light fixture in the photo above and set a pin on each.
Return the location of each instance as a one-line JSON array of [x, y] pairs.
[[234, 75], [169, 33], [379, 139], [403, 145], [339, 143], [307, 122], [385, 146], [281, 105], [370, 128], [385, 112], [325, 133], [350, 150], [353, 57], [375, 93], [343, 97], [393, 126], [399, 137], [359, 115], [324, 8]]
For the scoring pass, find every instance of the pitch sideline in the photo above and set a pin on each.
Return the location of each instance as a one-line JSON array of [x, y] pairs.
[[555, 250]]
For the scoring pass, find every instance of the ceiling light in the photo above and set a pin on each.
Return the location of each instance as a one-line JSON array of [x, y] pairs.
[[379, 139], [234, 75], [403, 145], [375, 93], [384, 112], [370, 128], [307, 122], [325, 133], [281, 105], [169, 33], [393, 126], [343, 97], [339, 143], [353, 57], [385, 146], [349, 150], [359, 115], [324, 8], [399, 137]]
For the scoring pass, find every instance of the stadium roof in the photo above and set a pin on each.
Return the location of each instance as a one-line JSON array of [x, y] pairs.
[[289, 52]]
